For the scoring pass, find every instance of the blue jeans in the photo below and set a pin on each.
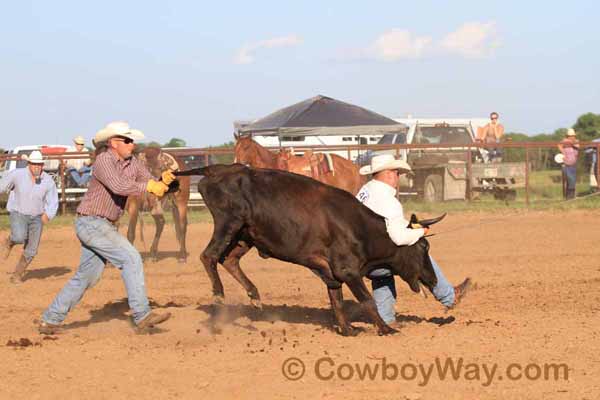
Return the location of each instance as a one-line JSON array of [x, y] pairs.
[[571, 175], [101, 243], [384, 290], [82, 176], [26, 230]]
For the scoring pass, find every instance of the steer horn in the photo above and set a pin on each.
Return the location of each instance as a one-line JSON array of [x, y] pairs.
[[424, 223]]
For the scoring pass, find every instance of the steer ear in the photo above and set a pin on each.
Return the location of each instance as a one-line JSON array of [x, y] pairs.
[[427, 222]]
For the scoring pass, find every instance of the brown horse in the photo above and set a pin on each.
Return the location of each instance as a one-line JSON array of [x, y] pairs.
[[330, 169], [158, 161]]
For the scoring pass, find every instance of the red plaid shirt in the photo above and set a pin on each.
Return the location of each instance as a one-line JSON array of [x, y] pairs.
[[113, 180]]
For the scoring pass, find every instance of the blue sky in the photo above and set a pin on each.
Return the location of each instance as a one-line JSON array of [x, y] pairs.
[[188, 69]]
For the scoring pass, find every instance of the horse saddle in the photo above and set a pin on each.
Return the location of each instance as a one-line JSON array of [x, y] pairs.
[[317, 164]]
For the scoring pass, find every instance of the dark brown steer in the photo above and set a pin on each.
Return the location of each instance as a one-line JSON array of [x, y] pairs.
[[302, 221]]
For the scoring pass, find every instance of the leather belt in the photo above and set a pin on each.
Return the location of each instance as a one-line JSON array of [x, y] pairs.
[[97, 216]]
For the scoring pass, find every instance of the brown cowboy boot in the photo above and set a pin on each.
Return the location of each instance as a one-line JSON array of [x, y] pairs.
[[17, 276], [46, 328], [152, 319], [460, 291]]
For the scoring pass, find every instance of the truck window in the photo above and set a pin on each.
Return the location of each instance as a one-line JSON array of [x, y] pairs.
[[393, 138], [400, 139], [442, 135]]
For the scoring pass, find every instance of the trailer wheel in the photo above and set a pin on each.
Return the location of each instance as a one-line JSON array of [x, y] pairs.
[[433, 190]]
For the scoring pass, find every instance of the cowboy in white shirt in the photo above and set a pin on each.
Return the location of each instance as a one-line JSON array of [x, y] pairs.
[[379, 195]]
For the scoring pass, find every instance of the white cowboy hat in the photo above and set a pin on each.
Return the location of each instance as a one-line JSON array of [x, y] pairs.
[[117, 128], [35, 157], [383, 162], [79, 140], [571, 132], [559, 158]]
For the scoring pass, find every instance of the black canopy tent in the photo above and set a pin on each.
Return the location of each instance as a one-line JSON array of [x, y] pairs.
[[322, 115]]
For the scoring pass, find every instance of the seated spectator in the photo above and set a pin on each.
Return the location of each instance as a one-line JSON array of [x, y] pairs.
[[79, 169], [491, 133]]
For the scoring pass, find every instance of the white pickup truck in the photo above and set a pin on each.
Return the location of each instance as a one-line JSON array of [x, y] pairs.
[[72, 194], [441, 174]]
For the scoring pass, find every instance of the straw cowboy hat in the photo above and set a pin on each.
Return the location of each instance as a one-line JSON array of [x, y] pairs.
[[35, 157], [117, 128], [79, 140], [383, 162], [571, 132]]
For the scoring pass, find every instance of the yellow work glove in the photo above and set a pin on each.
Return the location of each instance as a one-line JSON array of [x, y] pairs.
[[157, 188], [167, 177], [415, 226]]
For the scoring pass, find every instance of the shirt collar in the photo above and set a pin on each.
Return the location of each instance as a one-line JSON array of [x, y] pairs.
[[118, 160], [384, 187]]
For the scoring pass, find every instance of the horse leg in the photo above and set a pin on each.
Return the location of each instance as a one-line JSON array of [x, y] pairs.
[[133, 211], [159, 222], [232, 265], [180, 219], [222, 236]]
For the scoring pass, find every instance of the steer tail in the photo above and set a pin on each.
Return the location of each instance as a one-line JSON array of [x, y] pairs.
[[211, 170], [193, 171]]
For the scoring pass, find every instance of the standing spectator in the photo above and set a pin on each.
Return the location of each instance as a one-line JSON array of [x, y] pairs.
[[592, 156], [79, 169], [32, 202], [491, 133], [117, 175], [569, 147]]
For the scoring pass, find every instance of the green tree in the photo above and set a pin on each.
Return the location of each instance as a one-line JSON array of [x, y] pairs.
[[587, 126], [175, 142], [223, 158], [141, 146]]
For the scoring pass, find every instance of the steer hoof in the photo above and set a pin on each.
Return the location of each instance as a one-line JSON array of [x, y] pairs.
[[218, 300], [349, 331], [386, 330], [256, 303]]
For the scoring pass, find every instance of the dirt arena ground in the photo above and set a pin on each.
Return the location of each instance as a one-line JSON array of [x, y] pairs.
[[536, 303]]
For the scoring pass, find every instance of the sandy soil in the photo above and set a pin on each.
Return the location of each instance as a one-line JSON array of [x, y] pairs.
[[536, 303]]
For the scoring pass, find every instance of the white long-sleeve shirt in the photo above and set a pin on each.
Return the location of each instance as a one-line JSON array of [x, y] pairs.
[[26, 196], [381, 199]]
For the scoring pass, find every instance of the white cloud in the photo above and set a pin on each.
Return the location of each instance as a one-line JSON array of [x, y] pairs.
[[245, 55], [472, 39], [398, 44]]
